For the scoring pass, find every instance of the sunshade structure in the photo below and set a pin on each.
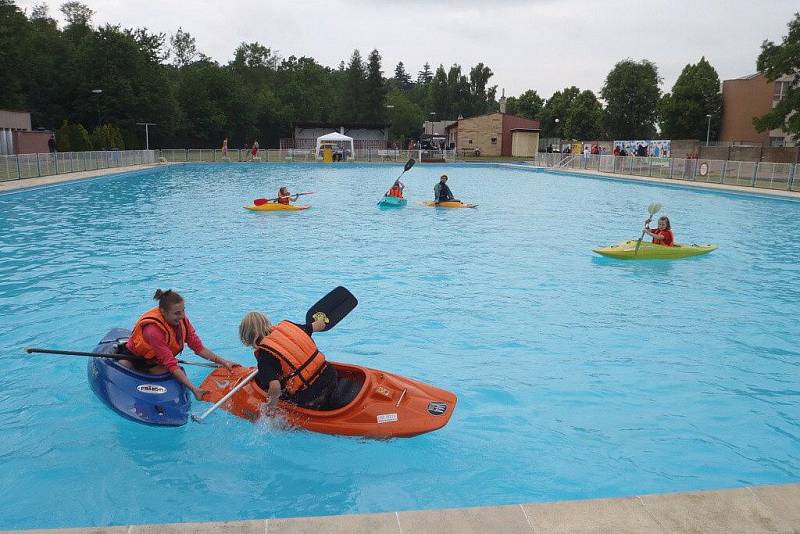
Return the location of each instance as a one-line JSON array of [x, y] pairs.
[[334, 137]]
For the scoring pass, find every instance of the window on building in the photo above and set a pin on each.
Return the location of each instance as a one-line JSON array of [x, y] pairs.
[[494, 140], [780, 90], [777, 141], [469, 141]]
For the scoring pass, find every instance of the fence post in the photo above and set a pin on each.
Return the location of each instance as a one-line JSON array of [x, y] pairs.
[[724, 170], [649, 166], [38, 165], [186, 155], [755, 174], [19, 171], [671, 167], [791, 175]]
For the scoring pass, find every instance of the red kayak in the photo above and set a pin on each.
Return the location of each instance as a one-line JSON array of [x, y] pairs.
[[383, 405]]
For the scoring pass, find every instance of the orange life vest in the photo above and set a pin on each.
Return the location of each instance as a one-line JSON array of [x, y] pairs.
[[301, 362], [283, 200], [138, 345], [395, 191]]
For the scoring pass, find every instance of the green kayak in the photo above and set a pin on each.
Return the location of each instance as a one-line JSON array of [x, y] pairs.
[[649, 251]]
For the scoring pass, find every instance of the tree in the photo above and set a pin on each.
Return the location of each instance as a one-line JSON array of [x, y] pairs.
[[528, 105], [106, 137], [584, 120], [683, 112], [375, 104], [425, 76], [776, 61], [73, 138], [555, 111], [401, 80], [255, 56], [405, 117], [184, 49], [440, 98], [353, 91], [77, 14], [631, 93]]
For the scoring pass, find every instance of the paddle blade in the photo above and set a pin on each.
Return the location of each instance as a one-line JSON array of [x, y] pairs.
[[410, 163], [260, 201], [654, 208], [333, 307]]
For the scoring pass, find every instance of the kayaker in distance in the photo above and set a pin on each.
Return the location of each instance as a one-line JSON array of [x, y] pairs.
[[289, 364], [396, 190], [661, 235], [284, 197], [442, 193], [160, 335]]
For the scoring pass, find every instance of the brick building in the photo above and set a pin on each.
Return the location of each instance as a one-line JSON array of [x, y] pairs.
[[495, 134], [16, 136], [746, 98]]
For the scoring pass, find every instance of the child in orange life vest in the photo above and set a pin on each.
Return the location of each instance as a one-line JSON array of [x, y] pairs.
[[661, 235], [289, 365], [284, 197], [396, 190], [160, 335]]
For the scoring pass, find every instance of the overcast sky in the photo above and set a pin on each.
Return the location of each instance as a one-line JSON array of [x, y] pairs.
[[544, 45]]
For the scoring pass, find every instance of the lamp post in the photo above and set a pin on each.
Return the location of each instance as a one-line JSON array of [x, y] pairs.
[[433, 117], [98, 92], [559, 135], [146, 132], [708, 128]]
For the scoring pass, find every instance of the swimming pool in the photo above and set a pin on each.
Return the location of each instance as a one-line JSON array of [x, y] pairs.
[[577, 376]]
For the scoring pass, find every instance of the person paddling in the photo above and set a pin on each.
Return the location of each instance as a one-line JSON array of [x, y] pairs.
[[442, 193], [285, 197], [396, 190], [289, 365], [160, 335], [661, 235]]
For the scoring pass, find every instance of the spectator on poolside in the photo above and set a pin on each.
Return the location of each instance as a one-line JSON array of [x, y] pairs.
[[617, 150], [160, 335], [595, 149], [225, 148], [661, 235], [51, 144], [254, 151], [623, 152]]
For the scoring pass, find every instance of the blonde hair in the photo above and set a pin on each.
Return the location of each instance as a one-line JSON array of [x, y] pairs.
[[253, 327]]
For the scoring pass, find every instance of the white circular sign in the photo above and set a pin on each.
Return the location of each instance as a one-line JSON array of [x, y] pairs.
[[703, 168]]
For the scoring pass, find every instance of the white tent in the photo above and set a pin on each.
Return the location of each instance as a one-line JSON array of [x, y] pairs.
[[334, 137]]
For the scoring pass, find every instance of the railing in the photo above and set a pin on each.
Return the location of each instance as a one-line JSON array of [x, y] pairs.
[[766, 175], [22, 166], [209, 155]]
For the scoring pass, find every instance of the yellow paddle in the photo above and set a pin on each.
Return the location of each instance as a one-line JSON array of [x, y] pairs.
[[652, 209]]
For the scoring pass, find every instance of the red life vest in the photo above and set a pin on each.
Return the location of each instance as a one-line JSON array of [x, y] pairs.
[[301, 362], [664, 237], [283, 200], [395, 191], [139, 346]]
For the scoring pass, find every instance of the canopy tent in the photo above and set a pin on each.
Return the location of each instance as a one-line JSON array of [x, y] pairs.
[[334, 137]]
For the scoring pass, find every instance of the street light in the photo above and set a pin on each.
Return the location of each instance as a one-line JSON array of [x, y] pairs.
[[98, 92], [559, 135], [708, 128], [433, 116], [146, 132]]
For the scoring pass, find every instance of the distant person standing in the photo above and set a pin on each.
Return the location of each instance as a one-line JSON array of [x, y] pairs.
[[254, 151], [51, 144], [225, 148]]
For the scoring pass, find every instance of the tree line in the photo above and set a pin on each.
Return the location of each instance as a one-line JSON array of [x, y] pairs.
[[93, 84]]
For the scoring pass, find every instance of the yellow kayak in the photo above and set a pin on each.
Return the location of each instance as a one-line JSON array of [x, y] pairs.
[[648, 251], [274, 206], [431, 204]]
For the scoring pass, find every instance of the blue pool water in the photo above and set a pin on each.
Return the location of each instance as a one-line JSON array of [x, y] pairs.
[[577, 376]]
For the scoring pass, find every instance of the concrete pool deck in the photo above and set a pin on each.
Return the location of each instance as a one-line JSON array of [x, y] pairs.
[[749, 510], [28, 183]]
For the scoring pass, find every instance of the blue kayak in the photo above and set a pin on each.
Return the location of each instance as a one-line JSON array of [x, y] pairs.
[[392, 202], [158, 400]]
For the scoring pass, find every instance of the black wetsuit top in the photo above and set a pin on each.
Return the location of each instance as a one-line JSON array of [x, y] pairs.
[[445, 194]]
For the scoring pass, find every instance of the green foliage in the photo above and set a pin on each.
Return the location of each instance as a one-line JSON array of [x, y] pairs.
[[405, 117], [184, 48], [425, 76], [529, 105], [555, 111], [106, 137], [375, 98], [401, 80], [72, 138], [77, 14], [696, 93], [631, 93], [584, 120], [776, 61]]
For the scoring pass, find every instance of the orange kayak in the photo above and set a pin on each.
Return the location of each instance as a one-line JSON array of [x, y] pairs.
[[383, 405]]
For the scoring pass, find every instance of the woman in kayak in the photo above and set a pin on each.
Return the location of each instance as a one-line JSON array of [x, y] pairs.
[[661, 235], [442, 193], [396, 190], [160, 335], [289, 365], [284, 197]]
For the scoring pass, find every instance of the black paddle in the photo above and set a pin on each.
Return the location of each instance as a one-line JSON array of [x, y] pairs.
[[333, 307], [410, 163], [31, 350]]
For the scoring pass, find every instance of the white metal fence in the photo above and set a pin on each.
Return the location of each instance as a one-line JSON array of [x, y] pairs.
[[762, 174], [210, 155], [21, 166]]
